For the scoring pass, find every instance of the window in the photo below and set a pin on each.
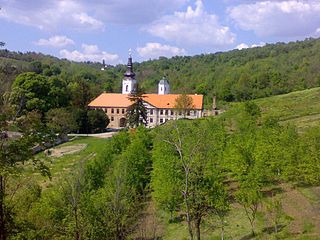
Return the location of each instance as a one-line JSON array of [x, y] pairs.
[[188, 113], [112, 119], [151, 111], [166, 112], [106, 110], [122, 110], [112, 110], [161, 112], [117, 110], [151, 120], [127, 88], [161, 120], [171, 112], [180, 113]]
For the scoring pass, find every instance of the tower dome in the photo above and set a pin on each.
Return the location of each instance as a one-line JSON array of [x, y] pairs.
[[163, 86], [129, 82]]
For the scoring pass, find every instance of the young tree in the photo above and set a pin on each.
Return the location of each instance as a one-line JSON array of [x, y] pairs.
[[193, 152], [274, 211], [137, 112]]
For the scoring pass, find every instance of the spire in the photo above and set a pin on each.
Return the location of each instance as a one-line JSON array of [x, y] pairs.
[[129, 73]]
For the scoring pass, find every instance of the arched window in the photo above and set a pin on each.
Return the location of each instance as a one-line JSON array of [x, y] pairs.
[[127, 88]]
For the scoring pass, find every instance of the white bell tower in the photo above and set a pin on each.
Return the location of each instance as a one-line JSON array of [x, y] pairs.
[[129, 82], [163, 86]]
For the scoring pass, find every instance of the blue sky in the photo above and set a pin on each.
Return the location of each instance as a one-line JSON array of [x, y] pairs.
[[83, 30]]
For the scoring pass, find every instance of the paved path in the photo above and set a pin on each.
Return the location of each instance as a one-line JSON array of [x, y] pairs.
[[98, 135]]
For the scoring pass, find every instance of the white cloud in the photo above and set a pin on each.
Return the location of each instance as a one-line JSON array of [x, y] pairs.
[[85, 20], [52, 15], [193, 27], [244, 45], [134, 12], [291, 18], [155, 50], [90, 53], [55, 41]]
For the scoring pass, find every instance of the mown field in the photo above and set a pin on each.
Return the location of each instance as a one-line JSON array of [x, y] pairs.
[[62, 159]]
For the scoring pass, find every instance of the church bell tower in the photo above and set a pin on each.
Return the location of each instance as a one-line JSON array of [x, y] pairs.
[[129, 82]]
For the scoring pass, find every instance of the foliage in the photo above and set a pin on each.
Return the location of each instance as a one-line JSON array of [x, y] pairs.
[[231, 76], [60, 121], [14, 151], [136, 112], [183, 103], [195, 181], [98, 120]]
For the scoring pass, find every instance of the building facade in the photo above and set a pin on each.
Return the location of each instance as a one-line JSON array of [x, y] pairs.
[[161, 107]]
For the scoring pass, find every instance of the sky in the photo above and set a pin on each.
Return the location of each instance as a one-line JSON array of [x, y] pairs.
[[93, 30]]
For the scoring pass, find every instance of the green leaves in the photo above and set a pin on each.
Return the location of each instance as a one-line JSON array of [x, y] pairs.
[[136, 112]]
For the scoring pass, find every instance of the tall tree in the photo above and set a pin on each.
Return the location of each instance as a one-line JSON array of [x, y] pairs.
[[136, 112], [33, 88], [15, 150]]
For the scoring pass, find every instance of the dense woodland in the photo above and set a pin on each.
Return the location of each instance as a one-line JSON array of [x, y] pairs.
[[236, 75], [194, 173]]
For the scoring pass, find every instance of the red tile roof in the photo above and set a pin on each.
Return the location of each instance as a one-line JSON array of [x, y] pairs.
[[156, 100]]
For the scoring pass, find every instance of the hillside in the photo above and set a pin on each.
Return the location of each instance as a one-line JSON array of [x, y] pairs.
[[301, 108], [232, 76]]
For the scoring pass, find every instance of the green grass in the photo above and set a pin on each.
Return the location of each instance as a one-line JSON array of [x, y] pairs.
[[300, 108], [237, 226], [60, 166]]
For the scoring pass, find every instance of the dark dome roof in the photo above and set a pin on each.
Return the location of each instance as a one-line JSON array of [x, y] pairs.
[[163, 81]]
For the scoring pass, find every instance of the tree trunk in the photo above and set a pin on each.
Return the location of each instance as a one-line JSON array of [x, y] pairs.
[[252, 228], [198, 223], [186, 200], [222, 228], [77, 235], [3, 231]]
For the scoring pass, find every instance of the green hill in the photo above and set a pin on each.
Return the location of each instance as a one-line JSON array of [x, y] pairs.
[[232, 76], [301, 108]]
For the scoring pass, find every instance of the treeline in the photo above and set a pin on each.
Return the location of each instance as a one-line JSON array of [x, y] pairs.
[[236, 75], [61, 103], [240, 75], [194, 170]]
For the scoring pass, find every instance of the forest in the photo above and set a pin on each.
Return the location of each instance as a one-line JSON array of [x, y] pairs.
[[249, 173], [236, 75]]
